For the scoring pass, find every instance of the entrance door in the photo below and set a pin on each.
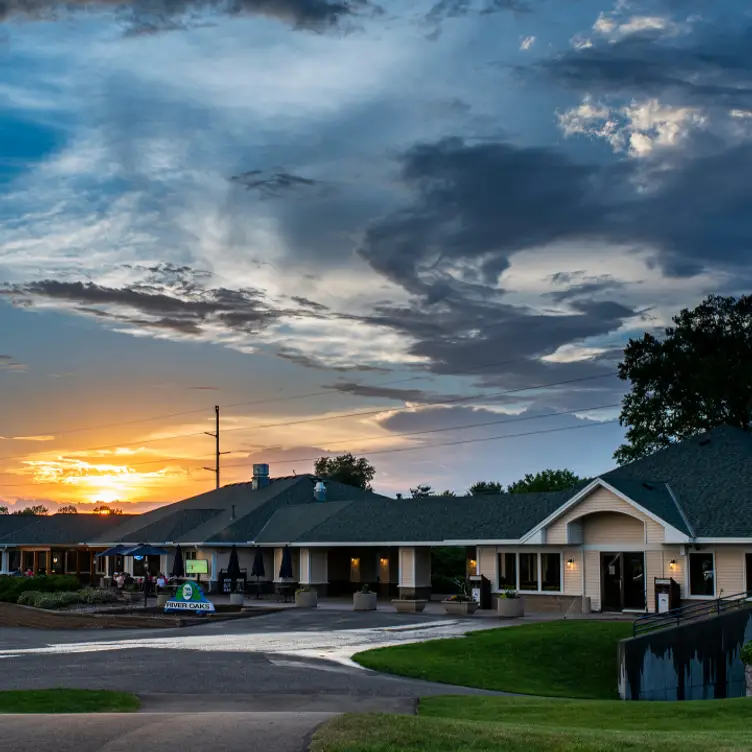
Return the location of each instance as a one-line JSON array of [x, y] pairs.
[[623, 581], [611, 582], [748, 568]]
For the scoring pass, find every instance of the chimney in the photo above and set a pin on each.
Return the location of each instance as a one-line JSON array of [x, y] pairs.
[[260, 477], [319, 491], [399, 496]]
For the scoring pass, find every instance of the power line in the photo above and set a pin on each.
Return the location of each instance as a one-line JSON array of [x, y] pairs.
[[457, 443], [468, 426], [273, 400], [363, 413]]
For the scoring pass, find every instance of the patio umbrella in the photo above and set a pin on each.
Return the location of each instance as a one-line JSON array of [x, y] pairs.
[[258, 571], [114, 551], [144, 550], [233, 568], [285, 569], [178, 570]]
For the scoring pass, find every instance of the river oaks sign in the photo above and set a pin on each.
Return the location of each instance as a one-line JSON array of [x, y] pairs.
[[189, 597]]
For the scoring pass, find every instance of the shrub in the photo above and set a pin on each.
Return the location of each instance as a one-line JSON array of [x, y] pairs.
[[508, 594], [12, 587], [746, 654], [64, 598]]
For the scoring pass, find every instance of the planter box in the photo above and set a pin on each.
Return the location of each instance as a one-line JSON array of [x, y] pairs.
[[364, 601], [162, 599], [307, 599], [748, 680], [409, 606], [236, 599], [510, 608], [130, 597], [460, 608]]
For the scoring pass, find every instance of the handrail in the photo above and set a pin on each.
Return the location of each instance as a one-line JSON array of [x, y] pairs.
[[690, 612]]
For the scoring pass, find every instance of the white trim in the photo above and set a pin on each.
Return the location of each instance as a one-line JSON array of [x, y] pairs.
[[687, 578], [600, 483], [721, 541]]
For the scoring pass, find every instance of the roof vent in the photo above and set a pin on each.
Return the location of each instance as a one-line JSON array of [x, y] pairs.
[[319, 491], [649, 487], [260, 476]]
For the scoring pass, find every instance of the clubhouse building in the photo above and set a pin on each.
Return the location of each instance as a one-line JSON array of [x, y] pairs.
[[682, 516]]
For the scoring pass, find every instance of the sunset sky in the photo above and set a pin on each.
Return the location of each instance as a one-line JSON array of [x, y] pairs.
[[356, 227]]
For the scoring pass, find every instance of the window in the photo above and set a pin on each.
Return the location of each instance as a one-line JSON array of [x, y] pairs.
[[191, 555], [28, 560], [701, 574], [57, 562], [528, 571], [507, 571], [71, 562], [551, 571], [15, 561]]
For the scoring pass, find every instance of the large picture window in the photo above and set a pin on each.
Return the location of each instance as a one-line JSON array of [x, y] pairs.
[[529, 572], [701, 574], [551, 572], [507, 571]]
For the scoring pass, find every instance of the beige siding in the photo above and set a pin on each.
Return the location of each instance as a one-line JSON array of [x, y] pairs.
[[602, 501], [305, 566], [487, 563], [654, 567], [593, 578], [572, 576], [614, 528], [422, 567], [729, 570], [319, 574], [406, 574], [677, 572]]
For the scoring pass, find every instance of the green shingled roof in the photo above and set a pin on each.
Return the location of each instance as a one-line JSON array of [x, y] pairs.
[[56, 529], [711, 477], [438, 518]]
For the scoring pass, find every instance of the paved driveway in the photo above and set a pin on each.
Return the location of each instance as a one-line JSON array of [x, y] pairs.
[[279, 676]]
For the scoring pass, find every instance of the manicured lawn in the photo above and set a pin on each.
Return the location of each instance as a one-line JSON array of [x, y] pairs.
[[447, 724], [556, 659], [67, 701]]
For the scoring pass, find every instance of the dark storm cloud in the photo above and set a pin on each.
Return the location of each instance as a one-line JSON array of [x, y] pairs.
[[385, 392], [711, 68], [149, 16], [273, 184], [306, 303], [174, 304], [445, 10], [585, 288]]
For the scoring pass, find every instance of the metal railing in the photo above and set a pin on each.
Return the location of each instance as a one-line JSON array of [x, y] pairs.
[[700, 610]]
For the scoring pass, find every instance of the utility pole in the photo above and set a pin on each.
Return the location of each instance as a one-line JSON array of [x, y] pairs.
[[217, 453]]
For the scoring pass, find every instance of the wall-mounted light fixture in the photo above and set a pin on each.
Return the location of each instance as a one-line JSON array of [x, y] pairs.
[[570, 563], [355, 561], [473, 565], [384, 561], [672, 565]]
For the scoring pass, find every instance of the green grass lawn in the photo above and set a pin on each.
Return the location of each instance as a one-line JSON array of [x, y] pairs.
[[67, 701], [454, 724], [557, 659]]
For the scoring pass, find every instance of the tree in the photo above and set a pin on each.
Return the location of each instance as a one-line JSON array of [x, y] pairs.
[[106, 509], [68, 509], [3, 510], [353, 471], [447, 492], [38, 509], [421, 491], [486, 487], [545, 480], [698, 377]]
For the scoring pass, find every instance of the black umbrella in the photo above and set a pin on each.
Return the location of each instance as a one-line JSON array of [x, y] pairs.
[[233, 567], [178, 569], [258, 571], [285, 569], [258, 565]]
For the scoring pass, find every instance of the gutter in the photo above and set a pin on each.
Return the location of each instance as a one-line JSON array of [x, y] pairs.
[[682, 513]]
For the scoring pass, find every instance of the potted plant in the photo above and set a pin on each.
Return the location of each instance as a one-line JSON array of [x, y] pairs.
[[132, 593], [460, 605], [509, 605], [364, 599], [746, 656], [306, 597], [407, 605]]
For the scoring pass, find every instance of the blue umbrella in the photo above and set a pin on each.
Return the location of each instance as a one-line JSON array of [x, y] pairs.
[[144, 550], [258, 565], [114, 551]]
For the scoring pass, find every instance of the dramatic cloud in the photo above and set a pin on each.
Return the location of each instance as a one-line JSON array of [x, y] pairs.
[[174, 14], [410, 396], [273, 184]]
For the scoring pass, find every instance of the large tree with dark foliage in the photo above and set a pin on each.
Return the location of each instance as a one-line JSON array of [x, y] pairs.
[[697, 377], [37, 509], [354, 471], [486, 487], [545, 480]]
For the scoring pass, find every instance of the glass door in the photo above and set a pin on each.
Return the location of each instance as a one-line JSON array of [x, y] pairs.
[[634, 580], [611, 582]]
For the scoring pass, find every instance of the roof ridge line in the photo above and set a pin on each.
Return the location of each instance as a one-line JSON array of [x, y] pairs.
[[680, 509]]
